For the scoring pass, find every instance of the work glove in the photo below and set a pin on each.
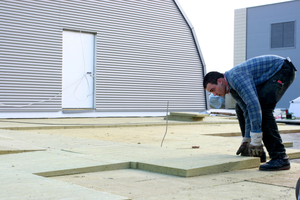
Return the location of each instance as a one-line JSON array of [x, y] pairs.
[[256, 147], [244, 148]]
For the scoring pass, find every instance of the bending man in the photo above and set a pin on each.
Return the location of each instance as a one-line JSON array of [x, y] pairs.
[[257, 85]]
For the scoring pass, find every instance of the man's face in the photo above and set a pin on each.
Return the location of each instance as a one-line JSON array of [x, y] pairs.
[[219, 89]]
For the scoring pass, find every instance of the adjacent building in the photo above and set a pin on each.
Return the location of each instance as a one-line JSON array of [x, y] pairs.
[[270, 29]]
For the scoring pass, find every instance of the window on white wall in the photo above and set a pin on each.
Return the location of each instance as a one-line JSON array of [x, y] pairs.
[[283, 35]]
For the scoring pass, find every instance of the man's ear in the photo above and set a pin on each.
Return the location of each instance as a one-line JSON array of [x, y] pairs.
[[219, 80]]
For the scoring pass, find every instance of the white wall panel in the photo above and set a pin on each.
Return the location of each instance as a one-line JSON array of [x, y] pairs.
[[240, 35]]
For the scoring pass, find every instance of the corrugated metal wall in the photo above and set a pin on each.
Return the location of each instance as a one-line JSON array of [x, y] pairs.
[[30, 58], [146, 55]]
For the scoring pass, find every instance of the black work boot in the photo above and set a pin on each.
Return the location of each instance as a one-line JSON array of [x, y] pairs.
[[276, 164]]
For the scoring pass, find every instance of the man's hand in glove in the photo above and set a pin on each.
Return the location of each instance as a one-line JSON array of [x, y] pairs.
[[256, 147], [244, 148]]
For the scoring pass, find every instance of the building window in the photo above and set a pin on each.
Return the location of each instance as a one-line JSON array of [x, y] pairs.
[[282, 35]]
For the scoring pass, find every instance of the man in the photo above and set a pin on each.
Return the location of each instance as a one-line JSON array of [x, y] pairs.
[[257, 85]]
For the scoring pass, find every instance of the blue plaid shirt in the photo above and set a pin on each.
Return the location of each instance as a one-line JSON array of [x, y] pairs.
[[245, 78]]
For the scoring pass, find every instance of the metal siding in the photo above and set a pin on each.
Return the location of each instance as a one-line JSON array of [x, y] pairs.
[[30, 59], [146, 61], [146, 55]]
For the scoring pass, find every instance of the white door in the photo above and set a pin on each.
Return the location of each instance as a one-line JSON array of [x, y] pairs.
[[78, 70]]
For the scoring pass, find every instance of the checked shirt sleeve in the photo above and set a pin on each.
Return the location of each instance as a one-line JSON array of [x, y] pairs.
[[243, 106], [248, 101]]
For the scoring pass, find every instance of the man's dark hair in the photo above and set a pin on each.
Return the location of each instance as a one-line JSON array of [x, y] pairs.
[[212, 78]]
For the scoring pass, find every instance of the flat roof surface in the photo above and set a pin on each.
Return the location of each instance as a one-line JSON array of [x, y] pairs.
[[127, 158]]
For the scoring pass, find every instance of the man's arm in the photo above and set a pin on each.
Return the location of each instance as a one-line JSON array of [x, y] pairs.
[[248, 100], [243, 107], [246, 90]]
